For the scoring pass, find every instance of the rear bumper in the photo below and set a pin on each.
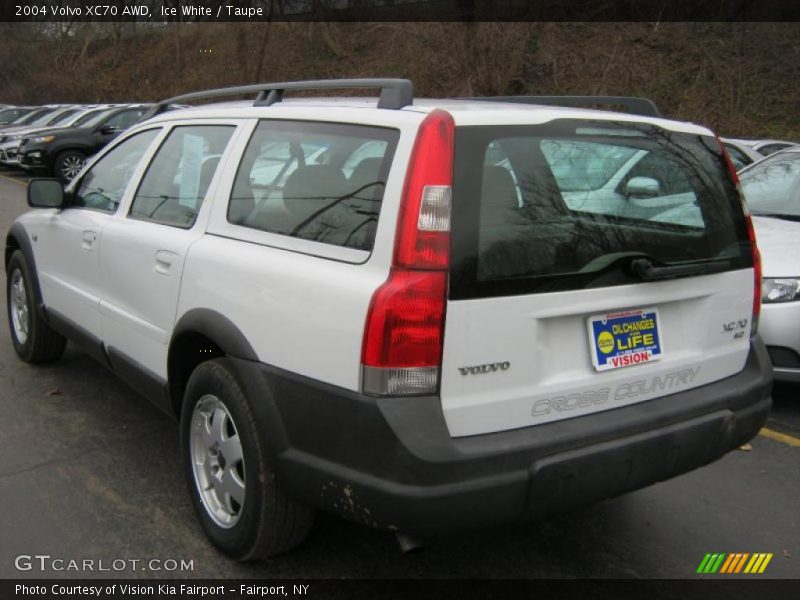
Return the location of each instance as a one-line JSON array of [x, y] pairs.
[[391, 463]]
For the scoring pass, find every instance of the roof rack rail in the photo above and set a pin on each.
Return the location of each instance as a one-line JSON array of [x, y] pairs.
[[637, 106], [395, 93]]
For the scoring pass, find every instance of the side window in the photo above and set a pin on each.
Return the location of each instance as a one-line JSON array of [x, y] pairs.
[[125, 119], [738, 157], [101, 188], [322, 182], [176, 182]]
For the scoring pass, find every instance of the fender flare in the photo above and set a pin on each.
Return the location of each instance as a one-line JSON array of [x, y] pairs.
[[246, 366], [216, 327], [20, 235]]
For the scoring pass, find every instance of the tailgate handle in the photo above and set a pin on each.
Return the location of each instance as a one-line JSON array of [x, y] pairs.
[[646, 270]]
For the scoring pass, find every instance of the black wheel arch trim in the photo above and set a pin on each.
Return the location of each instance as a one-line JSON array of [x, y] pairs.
[[18, 233], [244, 364], [216, 327], [85, 150]]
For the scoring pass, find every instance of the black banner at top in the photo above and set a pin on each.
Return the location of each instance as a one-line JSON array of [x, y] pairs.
[[396, 10]]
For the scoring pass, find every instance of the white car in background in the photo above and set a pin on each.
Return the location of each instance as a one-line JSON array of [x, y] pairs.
[[772, 190], [741, 152], [768, 147]]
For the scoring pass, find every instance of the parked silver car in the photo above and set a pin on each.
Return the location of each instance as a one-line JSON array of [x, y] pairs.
[[772, 190]]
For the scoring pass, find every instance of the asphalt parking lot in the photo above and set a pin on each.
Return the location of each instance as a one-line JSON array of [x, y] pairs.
[[89, 470]]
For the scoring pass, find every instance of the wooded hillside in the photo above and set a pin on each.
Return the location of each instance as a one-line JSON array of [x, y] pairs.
[[742, 79]]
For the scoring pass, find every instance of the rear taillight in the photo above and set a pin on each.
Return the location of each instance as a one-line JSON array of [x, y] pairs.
[[751, 234], [402, 349]]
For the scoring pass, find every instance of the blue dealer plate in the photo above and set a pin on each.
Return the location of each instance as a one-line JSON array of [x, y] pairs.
[[624, 339]]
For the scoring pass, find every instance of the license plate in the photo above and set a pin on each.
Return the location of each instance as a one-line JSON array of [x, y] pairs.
[[624, 339]]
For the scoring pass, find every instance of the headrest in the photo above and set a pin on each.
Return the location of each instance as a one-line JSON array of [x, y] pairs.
[[498, 197], [311, 187]]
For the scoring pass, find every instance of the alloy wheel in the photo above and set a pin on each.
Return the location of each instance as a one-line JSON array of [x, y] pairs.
[[71, 166], [18, 304], [217, 461]]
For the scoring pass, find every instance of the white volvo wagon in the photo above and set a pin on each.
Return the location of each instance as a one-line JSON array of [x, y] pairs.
[[420, 315]]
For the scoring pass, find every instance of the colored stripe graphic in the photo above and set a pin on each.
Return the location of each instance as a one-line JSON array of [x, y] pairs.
[[711, 563], [734, 563], [727, 564], [764, 564], [740, 564], [718, 564], [754, 563], [703, 563], [730, 565]]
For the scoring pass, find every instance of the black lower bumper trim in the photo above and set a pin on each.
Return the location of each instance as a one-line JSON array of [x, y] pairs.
[[391, 462]]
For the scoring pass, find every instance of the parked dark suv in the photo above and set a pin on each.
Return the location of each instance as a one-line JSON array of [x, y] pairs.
[[61, 152]]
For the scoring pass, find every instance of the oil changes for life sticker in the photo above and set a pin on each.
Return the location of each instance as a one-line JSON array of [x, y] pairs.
[[624, 339]]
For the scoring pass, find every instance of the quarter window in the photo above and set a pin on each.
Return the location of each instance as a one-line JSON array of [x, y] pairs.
[[176, 182], [322, 182], [101, 188]]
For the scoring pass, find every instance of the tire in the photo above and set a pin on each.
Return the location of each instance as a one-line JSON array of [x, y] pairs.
[[34, 340], [266, 522], [68, 164]]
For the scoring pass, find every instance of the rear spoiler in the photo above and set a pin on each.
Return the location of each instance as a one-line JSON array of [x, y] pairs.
[[636, 106]]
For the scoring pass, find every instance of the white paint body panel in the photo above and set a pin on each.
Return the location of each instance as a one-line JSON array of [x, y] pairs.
[[544, 337], [141, 287], [65, 246], [302, 314]]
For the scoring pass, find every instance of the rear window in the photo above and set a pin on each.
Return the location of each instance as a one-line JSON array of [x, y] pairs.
[[322, 182], [570, 204]]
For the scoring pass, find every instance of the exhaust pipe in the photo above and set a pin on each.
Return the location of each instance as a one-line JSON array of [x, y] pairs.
[[409, 544]]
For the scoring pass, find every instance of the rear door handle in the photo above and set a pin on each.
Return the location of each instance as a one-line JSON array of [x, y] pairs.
[[88, 238], [164, 260]]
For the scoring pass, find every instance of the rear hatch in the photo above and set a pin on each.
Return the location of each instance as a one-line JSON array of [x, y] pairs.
[[595, 264]]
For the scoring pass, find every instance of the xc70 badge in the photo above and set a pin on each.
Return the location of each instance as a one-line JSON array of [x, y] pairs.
[[490, 368]]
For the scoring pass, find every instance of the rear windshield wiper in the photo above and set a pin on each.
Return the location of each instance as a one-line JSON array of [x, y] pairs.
[[647, 271]]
